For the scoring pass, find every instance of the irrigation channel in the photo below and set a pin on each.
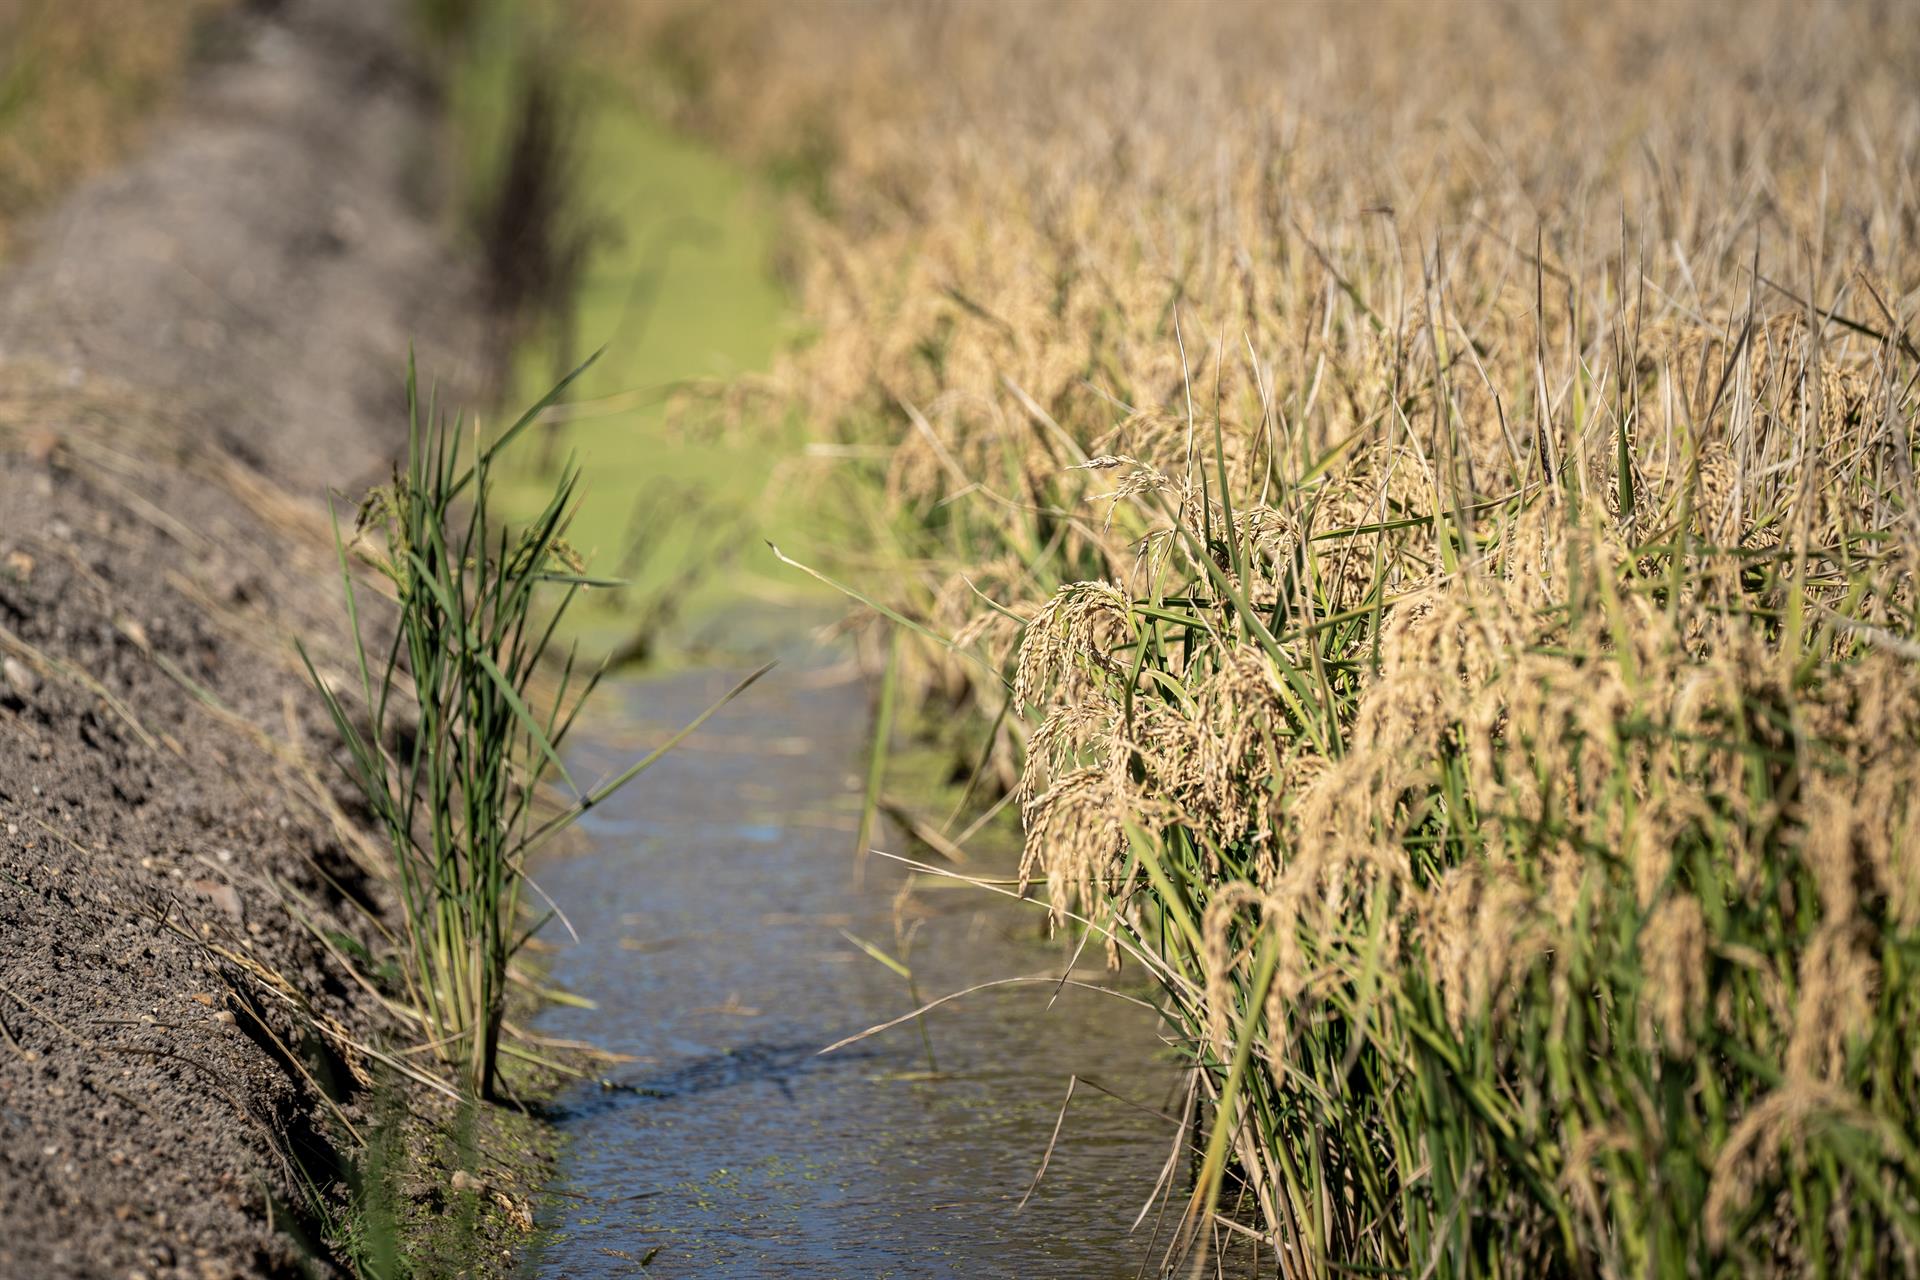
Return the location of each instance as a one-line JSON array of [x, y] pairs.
[[720, 906], [717, 906]]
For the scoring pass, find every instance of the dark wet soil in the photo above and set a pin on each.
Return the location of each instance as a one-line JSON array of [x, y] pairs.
[[191, 349]]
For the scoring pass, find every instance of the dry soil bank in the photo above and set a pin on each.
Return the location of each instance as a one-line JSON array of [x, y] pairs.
[[192, 349]]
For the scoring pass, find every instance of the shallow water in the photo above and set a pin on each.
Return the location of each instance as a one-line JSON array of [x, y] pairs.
[[712, 905]]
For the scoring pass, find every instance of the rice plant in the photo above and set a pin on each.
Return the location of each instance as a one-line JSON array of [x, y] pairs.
[[459, 727], [1554, 916]]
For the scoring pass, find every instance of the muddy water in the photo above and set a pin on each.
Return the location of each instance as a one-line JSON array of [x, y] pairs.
[[712, 905]]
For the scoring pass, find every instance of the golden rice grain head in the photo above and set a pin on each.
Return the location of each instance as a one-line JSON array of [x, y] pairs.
[[1673, 960]]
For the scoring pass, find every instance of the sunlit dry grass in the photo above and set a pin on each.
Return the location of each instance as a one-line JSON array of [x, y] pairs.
[[78, 79], [1437, 489]]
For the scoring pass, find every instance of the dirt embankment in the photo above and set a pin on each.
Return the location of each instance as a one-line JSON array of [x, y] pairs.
[[191, 350]]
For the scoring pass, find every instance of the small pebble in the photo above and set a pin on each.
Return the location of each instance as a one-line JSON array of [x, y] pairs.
[[18, 674]]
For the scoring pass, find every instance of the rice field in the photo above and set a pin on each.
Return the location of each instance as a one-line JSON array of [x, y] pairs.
[[1412, 508], [1419, 504]]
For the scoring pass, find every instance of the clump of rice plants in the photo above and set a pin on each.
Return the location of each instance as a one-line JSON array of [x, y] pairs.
[[1553, 913], [459, 725]]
